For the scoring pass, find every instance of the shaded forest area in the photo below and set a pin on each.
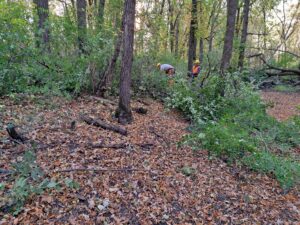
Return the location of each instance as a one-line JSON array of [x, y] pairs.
[[149, 112]]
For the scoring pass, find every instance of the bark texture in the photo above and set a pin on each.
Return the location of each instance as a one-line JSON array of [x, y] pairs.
[[229, 35], [192, 38], [246, 11], [81, 24], [124, 111], [43, 34], [101, 12]]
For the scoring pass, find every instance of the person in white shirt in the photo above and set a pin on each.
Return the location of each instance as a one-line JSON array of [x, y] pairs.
[[169, 69]]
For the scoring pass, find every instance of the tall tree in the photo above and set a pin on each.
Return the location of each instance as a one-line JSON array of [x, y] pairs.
[[229, 35], [192, 37], [43, 33], [246, 11], [216, 9], [107, 78], [201, 42], [124, 110], [101, 12], [81, 24]]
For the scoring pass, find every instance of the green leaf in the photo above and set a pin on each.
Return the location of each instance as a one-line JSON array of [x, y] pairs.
[[71, 183], [2, 186]]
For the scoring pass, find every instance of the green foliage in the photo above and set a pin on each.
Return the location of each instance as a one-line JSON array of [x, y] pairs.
[[71, 183], [286, 171], [188, 171], [28, 180], [237, 128], [24, 68]]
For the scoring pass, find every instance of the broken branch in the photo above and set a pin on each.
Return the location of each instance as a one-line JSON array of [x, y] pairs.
[[102, 124], [96, 170]]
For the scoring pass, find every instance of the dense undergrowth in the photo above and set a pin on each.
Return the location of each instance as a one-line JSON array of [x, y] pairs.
[[237, 128]]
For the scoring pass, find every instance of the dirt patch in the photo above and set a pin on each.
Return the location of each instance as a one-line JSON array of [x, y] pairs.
[[282, 105]]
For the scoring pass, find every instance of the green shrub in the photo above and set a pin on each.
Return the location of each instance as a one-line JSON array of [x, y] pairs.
[[237, 128], [28, 180]]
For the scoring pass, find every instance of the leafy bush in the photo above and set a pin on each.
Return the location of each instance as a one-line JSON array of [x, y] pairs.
[[29, 180], [237, 128], [24, 68], [26, 180]]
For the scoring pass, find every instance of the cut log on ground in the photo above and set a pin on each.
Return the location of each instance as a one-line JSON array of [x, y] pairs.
[[102, 124]]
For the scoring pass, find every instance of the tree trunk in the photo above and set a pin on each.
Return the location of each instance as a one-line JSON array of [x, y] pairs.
[[124, 111], [246, 11], [213, 18], [107, 78], [101, 12], [81, 24], [192, 38], [237, 22], [229, 35], [171, 26], [43, 34], [201, 51], [176, 39]]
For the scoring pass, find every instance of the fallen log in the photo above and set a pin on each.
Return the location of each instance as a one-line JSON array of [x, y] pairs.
[[102, 124], [103, 100], [282, 71], [102, 145]]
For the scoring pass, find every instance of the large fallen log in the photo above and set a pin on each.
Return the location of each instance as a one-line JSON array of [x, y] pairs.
[[279, 71], [102, 124]]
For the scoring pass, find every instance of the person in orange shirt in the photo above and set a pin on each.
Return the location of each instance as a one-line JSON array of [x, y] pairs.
[[196, 69]]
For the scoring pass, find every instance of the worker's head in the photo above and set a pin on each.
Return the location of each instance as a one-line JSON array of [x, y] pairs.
[[197, 62], [158, 65]]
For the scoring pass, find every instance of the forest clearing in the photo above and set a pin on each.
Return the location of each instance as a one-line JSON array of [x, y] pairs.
[[149, 112], [167, 183]]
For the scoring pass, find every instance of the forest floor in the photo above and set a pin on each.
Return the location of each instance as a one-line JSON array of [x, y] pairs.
[[144, 181]]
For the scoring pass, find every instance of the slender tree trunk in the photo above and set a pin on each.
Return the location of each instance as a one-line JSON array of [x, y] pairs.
[[201, 41], [101, 12], [171, 26], [201, 51], [246, 11], [43, 34], [265, 28], [81, 24], [107, 78], [229, 35], [213, 18], [176, 38], [124, 111], [162, 7], [192, 38], [237, 23]]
